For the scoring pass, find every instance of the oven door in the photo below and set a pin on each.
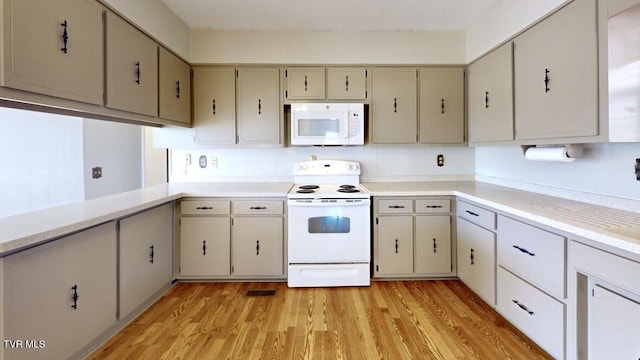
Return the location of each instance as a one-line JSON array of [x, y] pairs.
[[329, 232]]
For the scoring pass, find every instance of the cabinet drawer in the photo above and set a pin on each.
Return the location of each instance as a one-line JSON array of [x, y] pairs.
[[536, 314], [477, 215], [536, 255], [205, 207], [425, 206], [397, 206], [258, 207]]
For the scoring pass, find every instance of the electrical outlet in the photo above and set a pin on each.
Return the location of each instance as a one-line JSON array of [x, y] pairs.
[[96, 172], [637, 169], [440, 160], [214, 161]]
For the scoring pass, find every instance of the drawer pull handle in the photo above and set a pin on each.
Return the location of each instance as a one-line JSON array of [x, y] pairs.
[[65, 37], [472, 257], [523, 250], [204, 208], [152, 254], [258, 208], [204, 247], [472, 213], [434, 206], [396, 246], [521, 306], [75, 297], [396, 207]]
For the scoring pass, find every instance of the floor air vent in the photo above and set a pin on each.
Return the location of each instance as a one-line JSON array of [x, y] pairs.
[[261, 293]]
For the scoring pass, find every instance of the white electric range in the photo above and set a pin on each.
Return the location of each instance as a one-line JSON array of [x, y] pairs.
[[328, 225]]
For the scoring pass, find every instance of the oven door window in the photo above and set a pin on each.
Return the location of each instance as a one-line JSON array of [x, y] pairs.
[[329, 225]]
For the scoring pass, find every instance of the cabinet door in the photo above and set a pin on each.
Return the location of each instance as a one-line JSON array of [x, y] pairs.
[[476, 259], [613, 325], [394, 105], [39, 288], [205, 246], [214, 105], [258, 102], [490, 96], [174, 88], [39, 59], [442, 105], [349, 83], [556, 75], [146, 256], [305, 83], [395, 245], [258, 246], [132, 68], [433, 245]]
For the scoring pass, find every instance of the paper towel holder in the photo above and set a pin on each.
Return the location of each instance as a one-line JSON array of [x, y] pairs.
[[573, 150]]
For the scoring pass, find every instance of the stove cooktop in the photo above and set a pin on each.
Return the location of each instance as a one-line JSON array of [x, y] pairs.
[[338, 191]]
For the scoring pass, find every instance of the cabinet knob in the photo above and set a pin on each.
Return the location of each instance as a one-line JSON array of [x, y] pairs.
[[213, 106], [257, 247], [546, 80], [75, 297], [305, 83], [395, 105], [259, 106], [442, 106], [346, 83], [152, 254], [472, 257], [486, 99], [138, 72], [396, 246], [434, 246], [178, 89], [65, 37], [204, 247]]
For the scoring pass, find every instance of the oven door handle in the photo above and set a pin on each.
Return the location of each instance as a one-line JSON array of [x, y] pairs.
[[319, 203]]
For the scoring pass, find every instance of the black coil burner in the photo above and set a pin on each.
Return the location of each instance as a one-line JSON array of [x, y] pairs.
[[348, 189], [307, 189]]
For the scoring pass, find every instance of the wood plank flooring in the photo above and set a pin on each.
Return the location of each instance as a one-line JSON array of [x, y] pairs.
[[388, 320]]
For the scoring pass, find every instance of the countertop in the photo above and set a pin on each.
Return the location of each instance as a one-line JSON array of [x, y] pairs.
[[607, 228]]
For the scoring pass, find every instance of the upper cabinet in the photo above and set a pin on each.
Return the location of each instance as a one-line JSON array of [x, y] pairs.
[[214, 105], [490, 97], [556, 75], [258, 105], [54, 48], [174, 88], [394, 107], [325, 83], [441, 105], [132, 68]]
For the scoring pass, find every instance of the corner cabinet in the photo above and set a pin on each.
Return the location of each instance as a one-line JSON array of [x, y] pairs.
[[60, 296], [174, 88], [556, 75], [132, 68], [394, 107], [490, 97], [146, 257], [412, 238], [54, 48], [441, 92]]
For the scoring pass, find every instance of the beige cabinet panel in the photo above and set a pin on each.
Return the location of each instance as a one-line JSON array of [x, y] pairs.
[[441, 105], [305, 83], [346, 83], [394, 106], [613, 325], [258, 246], [433, 245], [39, 288], [214, 105], [205, 246], [132, 68], [36, 57], [476, 259], [556, 67], [146, 256], [490, 96], [258, 105], [174, 88], [395, 245]]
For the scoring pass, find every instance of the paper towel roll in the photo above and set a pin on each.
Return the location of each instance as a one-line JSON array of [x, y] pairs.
[[548, 154]]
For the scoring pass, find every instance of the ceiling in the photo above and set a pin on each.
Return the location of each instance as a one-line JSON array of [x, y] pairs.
[[327, 15]]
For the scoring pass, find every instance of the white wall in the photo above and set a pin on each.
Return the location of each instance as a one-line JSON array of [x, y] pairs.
[[155, 18], [40, 161], [328, 47], [117, 148], [379, 163]]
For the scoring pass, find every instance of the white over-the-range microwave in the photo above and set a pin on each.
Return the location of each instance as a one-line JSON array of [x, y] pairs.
[[327, 124]]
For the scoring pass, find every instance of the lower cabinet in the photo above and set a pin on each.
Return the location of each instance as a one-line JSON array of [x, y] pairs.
[[146, 257], [476, 259], [60, 296], [224, 239], [412, 238]]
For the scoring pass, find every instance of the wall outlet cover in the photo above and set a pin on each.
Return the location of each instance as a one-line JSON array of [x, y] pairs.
[[96, 172]]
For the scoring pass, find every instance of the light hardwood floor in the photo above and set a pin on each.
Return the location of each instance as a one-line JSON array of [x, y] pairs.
[[388, 320]]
